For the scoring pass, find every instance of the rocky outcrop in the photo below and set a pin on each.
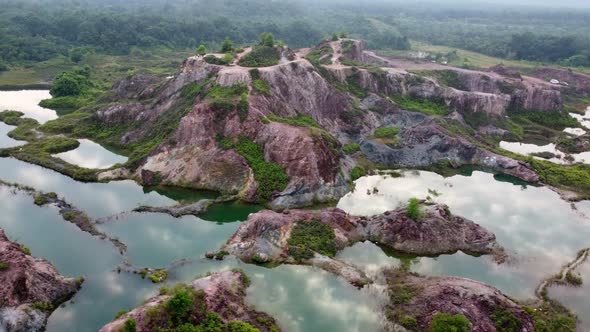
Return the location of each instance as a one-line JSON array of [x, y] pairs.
[[429, 143], [451, 295], [221, 293], [577, 81], [264, 237], [30, 289]]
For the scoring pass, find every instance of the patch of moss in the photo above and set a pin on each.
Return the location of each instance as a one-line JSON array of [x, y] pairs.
[[4, 266]]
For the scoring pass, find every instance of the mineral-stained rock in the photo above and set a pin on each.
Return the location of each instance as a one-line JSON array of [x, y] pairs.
[[222, 293], [30, 289], [428, 143], [451, 295], [266, 234]]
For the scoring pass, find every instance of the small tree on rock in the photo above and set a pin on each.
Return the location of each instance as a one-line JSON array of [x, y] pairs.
[[267, 39], [201, 50], [227, 45]]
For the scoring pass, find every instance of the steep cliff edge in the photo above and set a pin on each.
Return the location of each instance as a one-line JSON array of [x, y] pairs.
[[30, 289]]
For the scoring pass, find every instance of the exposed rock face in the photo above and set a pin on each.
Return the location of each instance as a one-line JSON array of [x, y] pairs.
[[192, 156], [579, 82], [429, 143], [223, 294], [30, 288], [264, 236], [451, 295]]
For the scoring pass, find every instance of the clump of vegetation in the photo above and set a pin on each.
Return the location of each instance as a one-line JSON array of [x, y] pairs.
[[4, 266], [321, 56], [260, 86], [574, 279], [447, 78], [297, 121], [201, 50], [442, 322], [227, 45], [263, 55], [130, 325], [311, 236], [357, 172], [386, 135], [413, 209], [159, 276], [223, 61], [186, 311], [26, 250], [243, 107], [505, 321], [554, 120], [270, 176], [409, 323], [552, 317], [43, 306], [120, 313], [40, 200], [351, 148], [426, 106]]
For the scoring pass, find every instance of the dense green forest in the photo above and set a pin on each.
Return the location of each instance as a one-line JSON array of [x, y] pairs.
[[33, 31]]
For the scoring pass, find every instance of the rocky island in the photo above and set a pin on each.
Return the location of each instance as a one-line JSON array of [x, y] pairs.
[[30, 288]]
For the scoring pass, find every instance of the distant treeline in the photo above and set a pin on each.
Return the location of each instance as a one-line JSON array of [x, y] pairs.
[[36, 30]]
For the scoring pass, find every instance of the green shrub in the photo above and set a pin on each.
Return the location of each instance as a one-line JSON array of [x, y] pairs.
[[298, 120], [413, 210], [201, 50], [120, 313], [71, 83], [267, 39], [130, 325], [179, 304], [269, 176], [447, 78], [351, 148], [26, 250], [4, 266], [40, 200], [505, 321], [357, 172], [573, 279], [239, 326], [449, 323], [243, 107], [224, 61], [556, 120], [386, 132], [43, 306], [260, 56], [312, 236], [227, 45], [159, 276], [409, 323], [426, 106], [260, 86]]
